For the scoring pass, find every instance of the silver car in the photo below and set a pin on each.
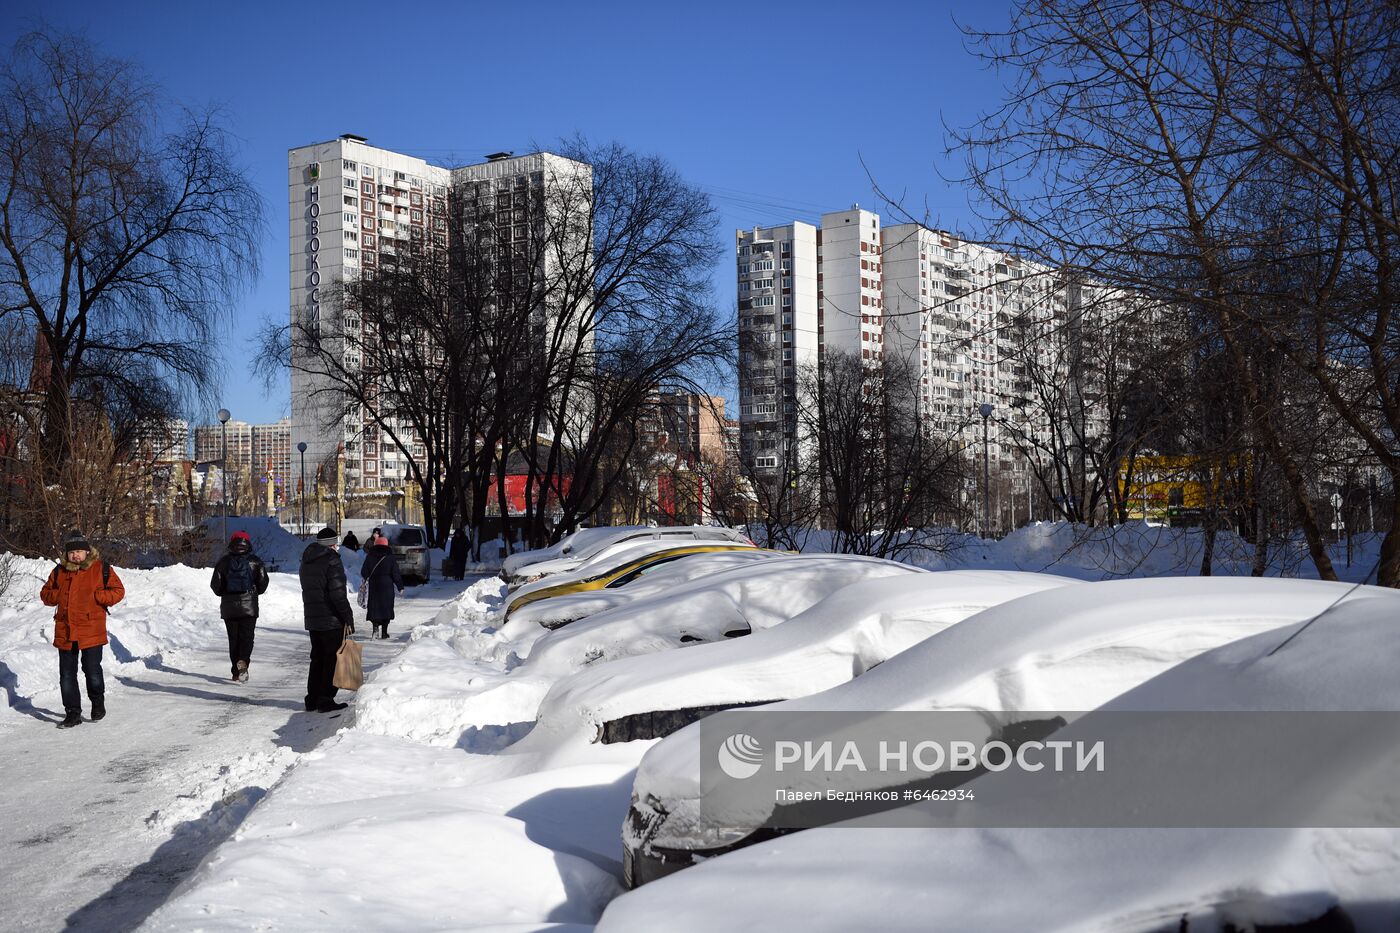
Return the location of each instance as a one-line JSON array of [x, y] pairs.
[[409, 545]]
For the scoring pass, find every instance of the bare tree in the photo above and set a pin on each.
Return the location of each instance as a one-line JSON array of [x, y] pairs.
[[121, 242], [887, 482], [1188, 150]]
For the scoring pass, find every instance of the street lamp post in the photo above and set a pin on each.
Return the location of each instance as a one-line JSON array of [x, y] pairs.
[[986, 411], [223, 463], [301, 448]]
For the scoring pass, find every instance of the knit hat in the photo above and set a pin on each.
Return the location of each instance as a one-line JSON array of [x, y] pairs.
[[326, 535], [240, 536], [75, 540], [382, 540]]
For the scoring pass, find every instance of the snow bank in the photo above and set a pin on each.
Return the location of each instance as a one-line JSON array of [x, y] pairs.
[[1131, 549], [278, 547], [370, 832]]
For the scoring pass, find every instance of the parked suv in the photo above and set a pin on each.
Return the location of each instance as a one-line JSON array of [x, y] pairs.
[[409, 545]]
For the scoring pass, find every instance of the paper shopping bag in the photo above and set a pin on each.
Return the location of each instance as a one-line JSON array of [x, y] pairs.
[[349, 670]]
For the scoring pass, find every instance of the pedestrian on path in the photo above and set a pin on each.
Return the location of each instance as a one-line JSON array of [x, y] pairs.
[[381, 574], [239, 579], [457, 549], [350, 542], [328, 617], [81, 589]]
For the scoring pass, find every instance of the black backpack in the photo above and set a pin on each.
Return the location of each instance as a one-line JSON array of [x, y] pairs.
[[239, 577]]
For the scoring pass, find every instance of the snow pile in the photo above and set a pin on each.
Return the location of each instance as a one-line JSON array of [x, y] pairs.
[[229, 792], [370, 832], [278, 547], [1131, 549], [167, 609]]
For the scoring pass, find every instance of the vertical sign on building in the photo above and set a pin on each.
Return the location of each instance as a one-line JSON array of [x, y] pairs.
[[313, 249]]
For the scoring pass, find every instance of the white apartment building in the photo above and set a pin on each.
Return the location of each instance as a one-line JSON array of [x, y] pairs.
[[802, 290], [963, 316], [355, 208]]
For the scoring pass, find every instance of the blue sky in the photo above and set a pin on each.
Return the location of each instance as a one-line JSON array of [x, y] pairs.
[[770, 107]]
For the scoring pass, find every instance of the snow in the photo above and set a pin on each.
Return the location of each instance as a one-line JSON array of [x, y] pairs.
[[857, 627], [1064, 649], [103, 820], [1061, 879], [463, 788]]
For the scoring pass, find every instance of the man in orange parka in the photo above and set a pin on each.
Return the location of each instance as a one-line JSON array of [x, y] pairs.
[[82, 587]]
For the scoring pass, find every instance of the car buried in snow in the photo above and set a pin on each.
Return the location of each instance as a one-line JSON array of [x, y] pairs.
[[1302, 874], [616, 566], [1065, 649], [650, 577], [715, 607], [588, 543]]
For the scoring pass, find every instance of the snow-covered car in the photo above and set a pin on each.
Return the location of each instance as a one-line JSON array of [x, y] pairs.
[[1122, 879], [852, 630], [728, 604], [587, 543], [645, 581], [1065, 649], [617, 565]]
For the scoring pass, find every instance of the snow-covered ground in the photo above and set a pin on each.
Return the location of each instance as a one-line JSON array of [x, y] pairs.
[[442, 798], [101, 822]]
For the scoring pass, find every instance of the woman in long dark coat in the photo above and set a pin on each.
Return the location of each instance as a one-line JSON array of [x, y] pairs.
[[381, 571]]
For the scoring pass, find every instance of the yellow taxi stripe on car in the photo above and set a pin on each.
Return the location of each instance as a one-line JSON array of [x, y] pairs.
[[603, 579]]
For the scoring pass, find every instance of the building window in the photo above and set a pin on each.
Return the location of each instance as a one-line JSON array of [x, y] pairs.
[[351, 236], [348, 166], [367, 187], [349, 218], [367, 171], [350, 183], [367, 223]]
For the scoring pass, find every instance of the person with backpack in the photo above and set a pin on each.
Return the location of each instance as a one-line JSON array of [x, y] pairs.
[[81, 589], [239, 579], [382, 580]]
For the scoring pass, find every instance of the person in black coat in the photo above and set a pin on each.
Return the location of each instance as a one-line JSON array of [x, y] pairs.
[[457, 550], [381, 572], [328, 615], [239, 579], [350, 542]]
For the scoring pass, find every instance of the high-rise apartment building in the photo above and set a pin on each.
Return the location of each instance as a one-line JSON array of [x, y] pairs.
[[209, 444], [960, 316], [354, 209]]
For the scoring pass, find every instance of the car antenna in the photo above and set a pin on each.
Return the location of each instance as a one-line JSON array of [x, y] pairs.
[[1335, 603]]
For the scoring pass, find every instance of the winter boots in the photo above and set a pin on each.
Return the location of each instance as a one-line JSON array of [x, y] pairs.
[[240, 673], [381, 630], [99, 710], [72, 718]]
